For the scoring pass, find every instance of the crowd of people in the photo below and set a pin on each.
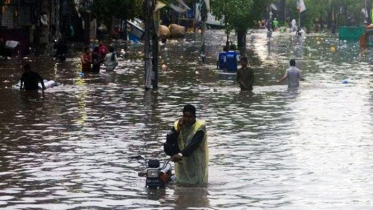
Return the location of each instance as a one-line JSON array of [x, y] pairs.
[[186, 142], [92, 60], [229, 60]]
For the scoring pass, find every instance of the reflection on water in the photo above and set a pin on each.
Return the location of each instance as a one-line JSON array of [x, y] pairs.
[[73, 147], [185, 197]]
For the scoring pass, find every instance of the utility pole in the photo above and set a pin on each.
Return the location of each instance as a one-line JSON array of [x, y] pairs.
[[368, 4], [148, 12], [155, 24], [269, 32], [87, 4], [203, 11], [1, 12]]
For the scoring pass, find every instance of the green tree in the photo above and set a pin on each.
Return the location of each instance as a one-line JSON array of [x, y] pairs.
[[339, 12], [239, 15], [236, 14], [106, 10]]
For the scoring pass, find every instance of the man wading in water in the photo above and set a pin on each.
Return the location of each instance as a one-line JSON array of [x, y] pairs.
[[30, 79], [187, 145], [293, 75], [245, 76]]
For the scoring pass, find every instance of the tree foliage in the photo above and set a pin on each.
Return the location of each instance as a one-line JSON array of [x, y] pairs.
[[240, 14], [345, 12], [105, 10], [235, 13]]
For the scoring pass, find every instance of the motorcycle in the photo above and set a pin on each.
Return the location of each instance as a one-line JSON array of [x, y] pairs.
[[157, 176]]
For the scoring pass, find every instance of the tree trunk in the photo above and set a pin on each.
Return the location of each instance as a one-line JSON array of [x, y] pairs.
[[333, 25], [227, 33], [241, 41]]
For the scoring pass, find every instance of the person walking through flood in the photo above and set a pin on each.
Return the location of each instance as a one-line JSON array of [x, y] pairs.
[[61, 50], [86, 59], [293, 25], [102, 50], [187, 145], [30, 79], [275, 24], [293, 75], [111, 60], [245, 76], [96, 60]]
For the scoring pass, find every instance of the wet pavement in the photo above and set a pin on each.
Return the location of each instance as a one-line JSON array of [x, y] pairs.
[[80, 145]]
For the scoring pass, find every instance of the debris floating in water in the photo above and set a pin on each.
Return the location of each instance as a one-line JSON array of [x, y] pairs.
[[345, 81]]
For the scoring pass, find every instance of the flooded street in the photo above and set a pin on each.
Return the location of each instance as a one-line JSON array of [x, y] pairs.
[[80, 145]]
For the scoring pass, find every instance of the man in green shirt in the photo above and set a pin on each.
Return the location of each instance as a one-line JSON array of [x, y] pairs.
[[275, 24], [245, 76]]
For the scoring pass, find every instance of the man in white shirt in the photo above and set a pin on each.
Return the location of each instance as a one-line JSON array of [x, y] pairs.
[[293, 25], [44, 19], [293, 75]]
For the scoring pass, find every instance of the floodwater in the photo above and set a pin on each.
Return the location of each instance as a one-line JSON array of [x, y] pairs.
[[80, 145]]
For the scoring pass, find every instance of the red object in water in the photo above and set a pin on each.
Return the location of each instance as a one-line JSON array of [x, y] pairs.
[[165, 178]]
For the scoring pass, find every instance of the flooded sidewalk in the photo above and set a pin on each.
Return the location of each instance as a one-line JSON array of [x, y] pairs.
[[73, 147]]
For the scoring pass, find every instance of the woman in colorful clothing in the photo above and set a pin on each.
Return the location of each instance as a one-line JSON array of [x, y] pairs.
[[102, 50], [86, 60]]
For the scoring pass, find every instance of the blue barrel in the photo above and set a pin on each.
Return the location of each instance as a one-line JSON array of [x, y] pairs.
[[222, 60], [232, 61]]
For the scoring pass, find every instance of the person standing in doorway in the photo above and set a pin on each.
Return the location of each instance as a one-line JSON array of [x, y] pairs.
[[293, 75]]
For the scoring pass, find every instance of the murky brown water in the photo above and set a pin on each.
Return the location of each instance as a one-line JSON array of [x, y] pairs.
[[72, 147]]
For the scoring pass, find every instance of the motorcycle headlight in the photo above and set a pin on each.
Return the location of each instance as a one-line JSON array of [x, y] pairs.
[[152, 173]]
